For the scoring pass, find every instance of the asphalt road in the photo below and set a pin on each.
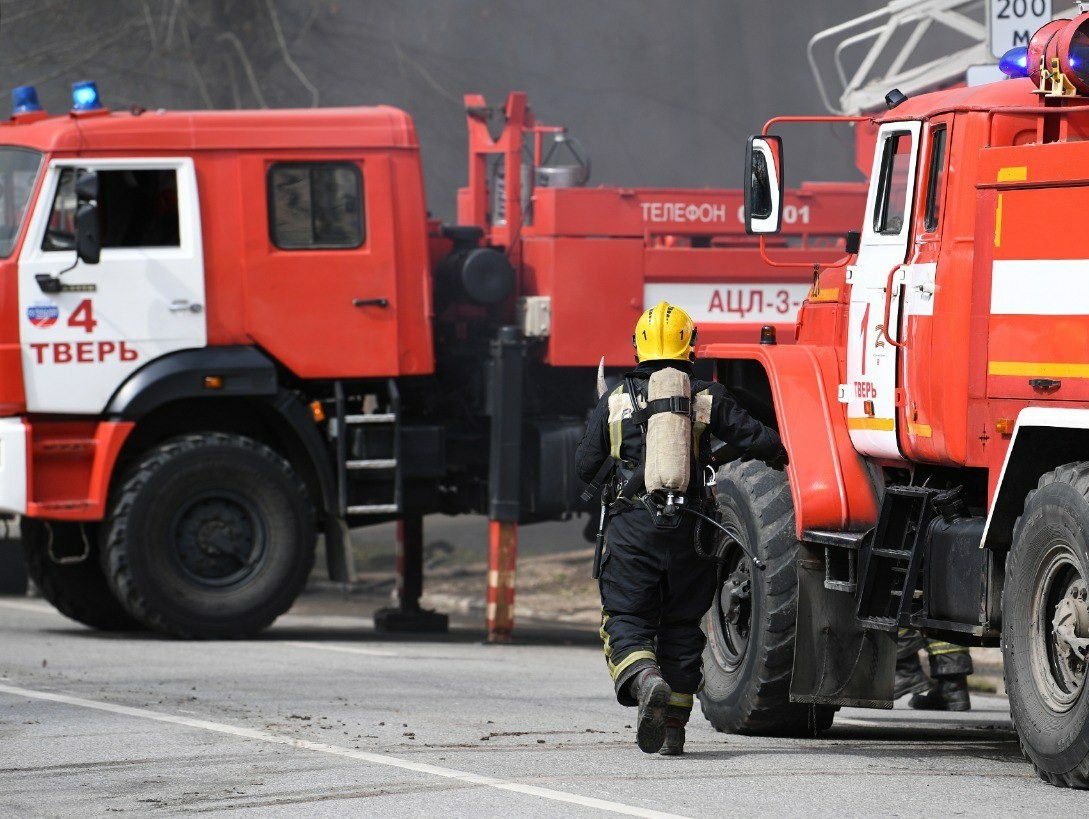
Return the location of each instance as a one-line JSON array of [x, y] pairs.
[[322, 716]]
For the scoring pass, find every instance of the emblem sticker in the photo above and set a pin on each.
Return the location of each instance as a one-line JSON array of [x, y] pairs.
[[43, 315]]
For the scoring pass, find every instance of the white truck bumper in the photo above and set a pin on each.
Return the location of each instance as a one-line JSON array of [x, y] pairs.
[[13, 466]]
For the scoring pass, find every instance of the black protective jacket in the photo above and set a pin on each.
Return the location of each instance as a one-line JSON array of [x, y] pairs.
[[729, 423]]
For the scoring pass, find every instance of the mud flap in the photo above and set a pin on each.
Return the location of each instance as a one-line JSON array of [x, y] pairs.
[[836, 661], [339, 559]]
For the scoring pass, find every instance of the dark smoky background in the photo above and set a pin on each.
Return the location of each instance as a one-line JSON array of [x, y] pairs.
[[659, 93]]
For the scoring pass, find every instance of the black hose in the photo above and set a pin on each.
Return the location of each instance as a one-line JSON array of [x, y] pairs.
[[734, 535]]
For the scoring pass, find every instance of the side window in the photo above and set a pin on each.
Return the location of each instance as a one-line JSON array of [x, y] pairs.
[[60, 233], [893, 185], [136, 208], [935, 179], [315, 205]]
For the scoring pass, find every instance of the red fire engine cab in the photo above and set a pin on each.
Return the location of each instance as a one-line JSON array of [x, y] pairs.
[[935, 410], [224, 332]]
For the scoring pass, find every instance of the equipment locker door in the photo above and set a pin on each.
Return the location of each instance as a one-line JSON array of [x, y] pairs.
[[870, 391], [144, 298]]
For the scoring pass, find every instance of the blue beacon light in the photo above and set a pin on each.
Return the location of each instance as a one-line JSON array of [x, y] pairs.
[[85, 96], [25, 100], [1014, 63]]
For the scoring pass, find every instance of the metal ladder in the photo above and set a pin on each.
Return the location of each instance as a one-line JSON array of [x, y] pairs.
[[893, 42], [892, 560], [363, 478]]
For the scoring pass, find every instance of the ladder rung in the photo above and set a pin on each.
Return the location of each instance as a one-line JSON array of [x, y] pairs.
[[895, 554], [374, 509], [878, 621], [371, 418], [372, 463]]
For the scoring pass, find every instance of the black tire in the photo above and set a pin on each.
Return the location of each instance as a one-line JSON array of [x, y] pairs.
[[13, 579], [209, 535], [747, 678], [77, 590], [1046, 571]]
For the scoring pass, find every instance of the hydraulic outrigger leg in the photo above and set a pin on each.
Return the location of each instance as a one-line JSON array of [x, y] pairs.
[[407, 615], [504, 479]]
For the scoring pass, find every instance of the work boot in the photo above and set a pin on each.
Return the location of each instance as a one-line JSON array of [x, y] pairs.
[[676, 719], [910, 677], [948, 694], [652, 693]]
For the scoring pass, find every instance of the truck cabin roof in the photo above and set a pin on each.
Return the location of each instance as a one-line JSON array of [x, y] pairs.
[[1004, 94], [362, 127]]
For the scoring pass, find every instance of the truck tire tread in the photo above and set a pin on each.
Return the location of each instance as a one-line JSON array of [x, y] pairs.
[[79, 591], [765, 707], [115, 557], [1075, 475]]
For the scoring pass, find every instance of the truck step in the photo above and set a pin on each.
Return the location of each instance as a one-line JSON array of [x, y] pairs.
[[890, 565], [880, 623], [372, 463], [372, 418], [895, 554], [374, 509]]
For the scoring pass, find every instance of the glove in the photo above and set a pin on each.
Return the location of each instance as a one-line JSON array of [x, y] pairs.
[[778, 461]]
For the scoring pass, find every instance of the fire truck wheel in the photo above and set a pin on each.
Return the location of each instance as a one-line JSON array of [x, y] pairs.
[[1045, 626], [749, 655], [209, 535], [77, 590], [13, 575]]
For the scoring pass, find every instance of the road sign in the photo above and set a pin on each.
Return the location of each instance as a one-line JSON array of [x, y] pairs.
[[1013, 22], [983, 75]]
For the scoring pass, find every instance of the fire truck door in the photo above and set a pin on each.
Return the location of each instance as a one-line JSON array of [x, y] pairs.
[[870, 391], [144, 298], [323, 266]]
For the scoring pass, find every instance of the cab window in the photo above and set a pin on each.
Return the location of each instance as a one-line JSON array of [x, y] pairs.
[[935, 185], [18, 175], [316, 205], [136, 208], [891, 203]]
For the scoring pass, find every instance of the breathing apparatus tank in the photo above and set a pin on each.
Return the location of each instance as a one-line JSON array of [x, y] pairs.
[[669, 434]]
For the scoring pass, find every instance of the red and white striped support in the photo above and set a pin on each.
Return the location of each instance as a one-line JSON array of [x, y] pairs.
[[502, 556]]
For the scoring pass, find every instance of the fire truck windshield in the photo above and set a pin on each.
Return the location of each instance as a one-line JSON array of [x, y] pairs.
[[19, 169]]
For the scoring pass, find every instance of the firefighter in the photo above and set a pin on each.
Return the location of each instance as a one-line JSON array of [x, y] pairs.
[[654, 586], [950, 666]]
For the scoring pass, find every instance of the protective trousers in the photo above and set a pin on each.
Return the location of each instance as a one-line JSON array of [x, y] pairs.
[[654, 592], [946, 659]]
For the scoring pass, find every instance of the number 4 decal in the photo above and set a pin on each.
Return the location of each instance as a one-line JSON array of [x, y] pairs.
[[83, 316]]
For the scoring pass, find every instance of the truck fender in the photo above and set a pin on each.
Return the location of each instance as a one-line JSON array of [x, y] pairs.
[[829, 483], [246, 373], [1043, 438]]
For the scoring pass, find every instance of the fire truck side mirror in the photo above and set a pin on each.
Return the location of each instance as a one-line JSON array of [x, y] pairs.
[[88, 237], [853, 242], [763, 187], [86, 186]]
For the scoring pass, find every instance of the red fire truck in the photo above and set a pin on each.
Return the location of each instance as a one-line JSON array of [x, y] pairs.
[[224, 332], [935, 410]]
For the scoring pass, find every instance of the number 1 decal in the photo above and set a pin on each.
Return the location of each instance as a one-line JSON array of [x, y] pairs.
[[864, 331], [83, 316]]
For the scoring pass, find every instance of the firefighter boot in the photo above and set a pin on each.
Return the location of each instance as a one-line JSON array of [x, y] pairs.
[[910, 677], [652, 693], [948, 694], [676, 719]]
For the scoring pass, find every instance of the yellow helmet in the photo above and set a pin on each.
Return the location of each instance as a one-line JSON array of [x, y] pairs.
[[664, 331]]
